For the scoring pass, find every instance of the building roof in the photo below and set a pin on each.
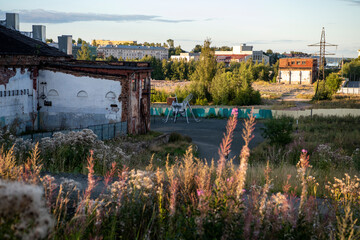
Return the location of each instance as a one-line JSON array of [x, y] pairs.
[[297, 63], [14, 43], [90, 66], [133, 47]]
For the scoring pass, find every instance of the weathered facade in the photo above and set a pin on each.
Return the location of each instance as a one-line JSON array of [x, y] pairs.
[[42, 88], [297, 70]]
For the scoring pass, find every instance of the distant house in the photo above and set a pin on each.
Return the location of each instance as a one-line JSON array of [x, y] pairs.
[[133, 52], [241, 53], [112, 42], [42, 88], [297, 70], [186, 56]]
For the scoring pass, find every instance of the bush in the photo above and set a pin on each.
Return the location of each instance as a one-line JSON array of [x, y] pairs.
[[328, 88], [278, 130]]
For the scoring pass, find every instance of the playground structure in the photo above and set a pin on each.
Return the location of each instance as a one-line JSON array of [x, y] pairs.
[[181, 109]]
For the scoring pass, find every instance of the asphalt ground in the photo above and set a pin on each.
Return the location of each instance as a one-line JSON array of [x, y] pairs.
[[207, 134]]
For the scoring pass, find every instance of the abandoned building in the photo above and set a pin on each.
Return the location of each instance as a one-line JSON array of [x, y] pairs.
[[297, 70], [42, 88]]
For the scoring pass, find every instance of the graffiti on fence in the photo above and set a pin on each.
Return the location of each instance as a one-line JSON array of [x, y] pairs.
[[216, 112]]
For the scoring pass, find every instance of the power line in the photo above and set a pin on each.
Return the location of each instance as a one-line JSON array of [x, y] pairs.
[[322, 53]]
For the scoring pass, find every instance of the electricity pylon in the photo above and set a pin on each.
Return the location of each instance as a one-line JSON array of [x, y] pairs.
[[322, 53]]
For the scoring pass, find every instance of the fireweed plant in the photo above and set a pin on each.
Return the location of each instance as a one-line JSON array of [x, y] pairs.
[[190, 199]]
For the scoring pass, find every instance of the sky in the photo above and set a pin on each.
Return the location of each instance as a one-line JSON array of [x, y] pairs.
[[280, 25]]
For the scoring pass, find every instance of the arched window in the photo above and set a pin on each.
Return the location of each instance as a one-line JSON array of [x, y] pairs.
[[110, 95], [53, 93], [82, 93]]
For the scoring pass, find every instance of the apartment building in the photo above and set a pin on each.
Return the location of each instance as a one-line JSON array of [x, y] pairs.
[[132, 52]]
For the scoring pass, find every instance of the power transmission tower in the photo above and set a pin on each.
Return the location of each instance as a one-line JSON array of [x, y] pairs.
[[322, 53]]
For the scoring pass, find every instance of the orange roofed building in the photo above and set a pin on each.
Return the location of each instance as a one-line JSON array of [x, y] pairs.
[[297, 70]]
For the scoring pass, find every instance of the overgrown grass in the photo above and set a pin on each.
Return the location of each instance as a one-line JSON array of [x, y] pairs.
[[339, 101], [282, 105], [270, 95], [189, 199], [305, 96], [286, 172]]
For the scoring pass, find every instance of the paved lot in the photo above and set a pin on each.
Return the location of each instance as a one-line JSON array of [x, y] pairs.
[[207, 134]]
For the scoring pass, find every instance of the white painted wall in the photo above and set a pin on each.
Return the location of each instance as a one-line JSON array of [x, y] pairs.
[[295, 76], [18, 105], [78, 101]]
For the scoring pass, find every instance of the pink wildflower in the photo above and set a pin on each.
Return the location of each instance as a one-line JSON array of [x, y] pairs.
[[304, 151], [200, 192], [234, 112]]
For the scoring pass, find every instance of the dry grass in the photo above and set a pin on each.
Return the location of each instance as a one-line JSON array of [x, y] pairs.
[[339, 101], [270, 95], [193, 200], [283, 105], [305, 96]]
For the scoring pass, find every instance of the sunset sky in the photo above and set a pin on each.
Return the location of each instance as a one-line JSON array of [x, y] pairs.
[[280, 25]]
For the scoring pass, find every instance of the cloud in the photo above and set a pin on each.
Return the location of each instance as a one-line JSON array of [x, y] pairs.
[[353, 2], [278, 41], [46, 16]]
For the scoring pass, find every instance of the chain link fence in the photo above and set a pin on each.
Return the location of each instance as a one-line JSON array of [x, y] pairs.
[[103, 131]]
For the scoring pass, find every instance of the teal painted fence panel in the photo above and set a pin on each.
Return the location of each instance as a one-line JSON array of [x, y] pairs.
[[215, 112]]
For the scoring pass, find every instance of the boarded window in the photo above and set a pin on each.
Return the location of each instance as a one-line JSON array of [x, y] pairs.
[[82, 93], [53, 93], [110, 95]]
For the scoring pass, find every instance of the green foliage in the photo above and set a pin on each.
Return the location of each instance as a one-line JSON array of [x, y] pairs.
[[84, 52], [234, 87], [352, 69], [111, 59], [328, 88], [80, 41], [159, 96], [333, 82], [204, 73], [201, 101], [278, 130]]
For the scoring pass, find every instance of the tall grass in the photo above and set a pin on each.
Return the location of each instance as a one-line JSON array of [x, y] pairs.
[[190, 199]]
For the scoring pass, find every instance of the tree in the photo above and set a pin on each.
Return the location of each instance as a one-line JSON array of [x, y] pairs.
[[204, 73], [275, 71], [170, 43], [178, 50], [351, 70], [111, 59], [49, 40], [94, 43], [269, 51], [333, 82], [79, 41], [84, 52], [197, 48]]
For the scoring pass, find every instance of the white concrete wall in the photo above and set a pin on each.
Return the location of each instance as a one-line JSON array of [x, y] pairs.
[[349, 90], [295, 76], [78, 101], [19, 103]]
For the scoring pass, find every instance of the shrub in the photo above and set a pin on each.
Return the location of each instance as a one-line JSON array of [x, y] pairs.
[[23, 214], [278, 130]]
